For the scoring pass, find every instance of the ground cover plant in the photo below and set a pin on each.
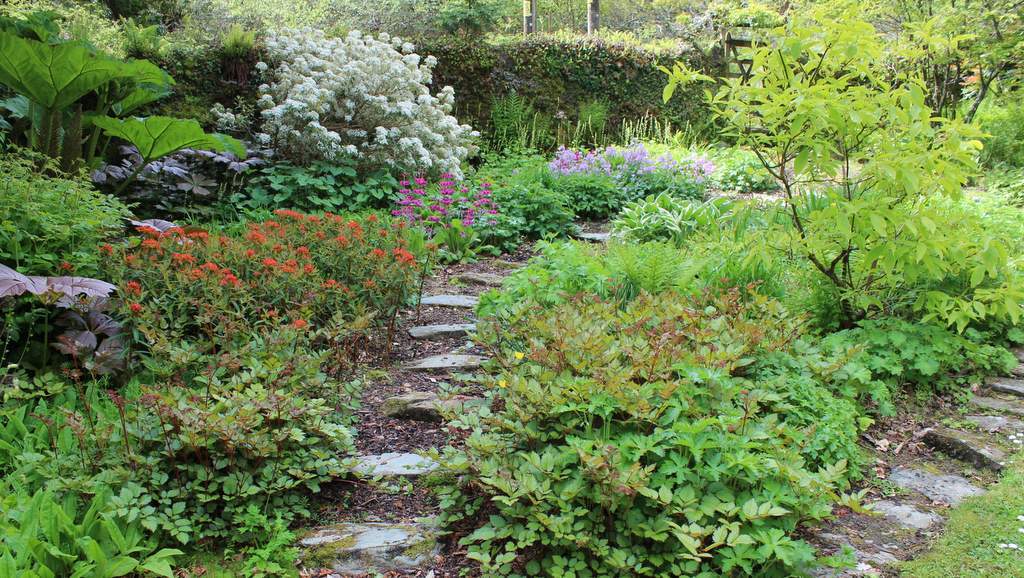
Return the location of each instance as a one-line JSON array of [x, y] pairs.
[[626, 442]]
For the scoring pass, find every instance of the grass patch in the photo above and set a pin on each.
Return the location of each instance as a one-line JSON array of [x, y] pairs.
[[970, 546]]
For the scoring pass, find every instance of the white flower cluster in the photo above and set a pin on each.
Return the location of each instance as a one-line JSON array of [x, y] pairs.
[[360, 97]]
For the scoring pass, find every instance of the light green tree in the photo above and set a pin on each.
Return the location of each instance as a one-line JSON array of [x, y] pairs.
[[861, 162]]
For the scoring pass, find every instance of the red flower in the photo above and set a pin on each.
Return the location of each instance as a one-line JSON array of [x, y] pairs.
[[372, 218], [135, 307], [303, 250], [250, 253], [130, 259], [277, 248], [229, 279], [198, 235], [342, 240], [378, 253], [152, 244], [403, 256], [132, 288], [321, 235], [290, 214], [300, 324], [256, 237], [211, 267], [369, 284], [183, 258], [107, 249], [270, 262], [330, 283], [65, 266], [308, 268]]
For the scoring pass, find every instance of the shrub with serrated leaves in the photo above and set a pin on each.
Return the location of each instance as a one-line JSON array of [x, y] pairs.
[[636, 440], [888, 354], [259, 426], [321, 186]]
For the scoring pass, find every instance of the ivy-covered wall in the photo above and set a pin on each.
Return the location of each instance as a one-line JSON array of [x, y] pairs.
[[556, 75]]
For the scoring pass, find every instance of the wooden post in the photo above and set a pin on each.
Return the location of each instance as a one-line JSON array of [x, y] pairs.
[[593, 15], [529, 16]]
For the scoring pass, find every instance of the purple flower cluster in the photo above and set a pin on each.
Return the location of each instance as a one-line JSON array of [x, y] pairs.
[[622, 162], [427, 206]]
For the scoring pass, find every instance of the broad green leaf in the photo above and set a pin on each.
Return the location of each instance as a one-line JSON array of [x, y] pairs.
[[159, 136], [54, 76]]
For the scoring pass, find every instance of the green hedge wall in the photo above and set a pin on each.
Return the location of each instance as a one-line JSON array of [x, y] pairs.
[[557, 75]]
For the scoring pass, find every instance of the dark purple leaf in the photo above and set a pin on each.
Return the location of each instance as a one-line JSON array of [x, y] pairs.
[[103, 324]]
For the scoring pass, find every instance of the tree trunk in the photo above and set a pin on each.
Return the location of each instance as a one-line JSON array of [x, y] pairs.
[[593, 16], [529, 16]]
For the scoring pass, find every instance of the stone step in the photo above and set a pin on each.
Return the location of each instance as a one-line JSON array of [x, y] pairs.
[[488, 279], [947, 489], [394, 464], [594, 237], [1018, 371], [447, 361], [371, 548], [1008, 386], [443, 330], [1019, 352], [1008, 406], [463, 301], [969, 447], [906, 515], [877, 556], [996, 423], [422, 406]]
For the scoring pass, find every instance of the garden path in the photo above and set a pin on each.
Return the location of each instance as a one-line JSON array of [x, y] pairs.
[[382, 522], [934, 465]]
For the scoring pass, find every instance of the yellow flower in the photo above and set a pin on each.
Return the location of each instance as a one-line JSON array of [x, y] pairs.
[[502, 383], [519, 355]]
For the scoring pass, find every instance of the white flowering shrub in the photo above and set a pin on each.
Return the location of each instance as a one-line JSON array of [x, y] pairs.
[[360, 97]]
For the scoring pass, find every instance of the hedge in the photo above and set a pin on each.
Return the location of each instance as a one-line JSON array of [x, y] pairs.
[[558, 74]]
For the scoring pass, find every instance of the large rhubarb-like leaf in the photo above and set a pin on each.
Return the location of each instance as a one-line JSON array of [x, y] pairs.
[[13, 283], [158, 136], [54, 76]]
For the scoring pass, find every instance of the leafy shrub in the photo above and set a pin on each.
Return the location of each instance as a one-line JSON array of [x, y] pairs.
[[322, 271], [874, 231], [254, 426], [591, 196], [927, 359], [740, 171], [359, 97], [667, 218], [624, 442], [528, 207], [320, 186], [1004, 125], [564, 269], [49, 221]]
